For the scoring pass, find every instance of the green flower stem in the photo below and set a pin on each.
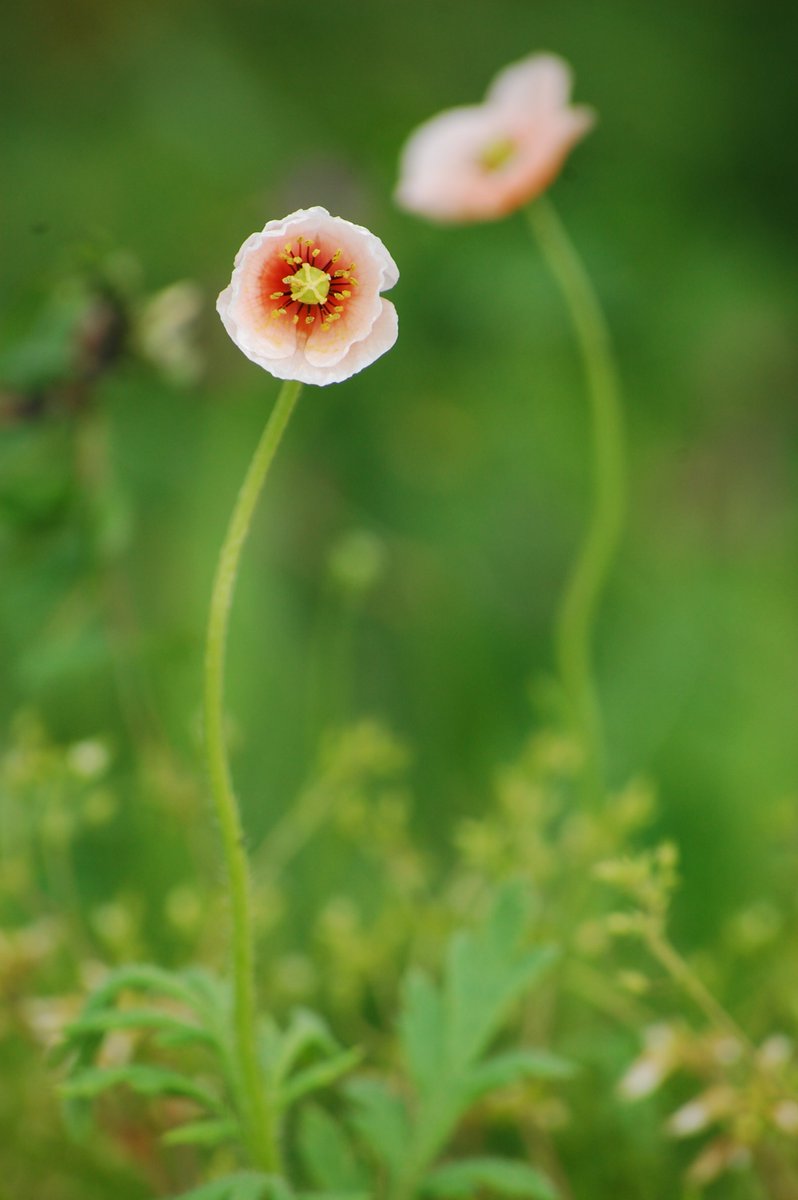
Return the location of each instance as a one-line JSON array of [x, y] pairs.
[[576, 619], [260, 1115]]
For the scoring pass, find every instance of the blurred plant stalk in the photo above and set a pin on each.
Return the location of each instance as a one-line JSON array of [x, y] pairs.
[[576, 620]]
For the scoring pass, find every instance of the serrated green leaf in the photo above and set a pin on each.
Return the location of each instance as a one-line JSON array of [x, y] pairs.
[[380, 1118], [320, 1075], [422, 1030], [505, 1069], [144, 977], [202, 1133], [146, 1080], [499, 1175], [139, 977], [335, 1196], [306, 1031], [325, 1152], [211, 993], [243, 1185], [486, 973], [136, 1018]]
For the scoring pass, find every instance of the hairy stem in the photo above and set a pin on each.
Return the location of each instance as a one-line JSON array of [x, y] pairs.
[[259, 1108], [577, 615]]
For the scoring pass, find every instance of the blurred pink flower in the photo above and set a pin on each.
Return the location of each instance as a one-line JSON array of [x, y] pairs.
[[480, 162], [304, 299]]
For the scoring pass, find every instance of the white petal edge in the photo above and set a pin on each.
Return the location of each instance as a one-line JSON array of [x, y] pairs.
[[380, 339]]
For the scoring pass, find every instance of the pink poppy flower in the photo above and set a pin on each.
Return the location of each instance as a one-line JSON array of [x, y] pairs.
[[304, 300], [480, 162]]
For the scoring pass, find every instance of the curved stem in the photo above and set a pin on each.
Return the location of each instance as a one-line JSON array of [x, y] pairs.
[[576, 619], [260, 1116]]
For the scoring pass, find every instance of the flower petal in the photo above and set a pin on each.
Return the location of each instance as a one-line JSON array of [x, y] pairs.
[[540, 81]]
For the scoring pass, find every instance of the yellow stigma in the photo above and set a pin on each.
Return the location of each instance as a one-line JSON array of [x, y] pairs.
[[308, 285], [497, 154]]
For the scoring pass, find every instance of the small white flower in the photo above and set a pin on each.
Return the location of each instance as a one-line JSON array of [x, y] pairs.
[[304, 301], [704, 1110]]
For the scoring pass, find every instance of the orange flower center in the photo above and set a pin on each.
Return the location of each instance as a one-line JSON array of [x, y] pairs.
[[309, 290]]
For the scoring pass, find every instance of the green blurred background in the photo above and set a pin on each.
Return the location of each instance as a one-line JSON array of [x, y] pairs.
[[171, 131], [156, 137]]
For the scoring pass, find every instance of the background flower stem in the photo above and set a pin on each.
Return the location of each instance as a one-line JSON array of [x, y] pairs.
[[259, 1115], [577, 614]]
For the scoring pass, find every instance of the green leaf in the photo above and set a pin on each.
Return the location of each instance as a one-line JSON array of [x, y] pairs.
[[306, 1031], [381, 1120], [321, 1075], [136, 1018], [503, 1176], [325, 1152], [211, 993], [146, 1080], [191, 990], [422, 1030], [505, 1069], [144, 977], [486, 973], [335, 1196], [203, 1133], [243, 1185]]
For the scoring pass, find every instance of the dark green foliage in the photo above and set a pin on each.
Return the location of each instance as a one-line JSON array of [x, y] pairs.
[[299, 1060], [445, 1032]]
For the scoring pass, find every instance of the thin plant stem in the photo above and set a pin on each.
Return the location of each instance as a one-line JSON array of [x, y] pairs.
[[682, 973], [577, 614], [260, 1111]]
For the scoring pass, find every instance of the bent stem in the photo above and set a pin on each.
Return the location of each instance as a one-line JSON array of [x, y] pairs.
[[577, 614], [260, 1116]]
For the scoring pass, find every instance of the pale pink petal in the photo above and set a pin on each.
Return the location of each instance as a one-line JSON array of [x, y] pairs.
[[242, 312], [541, 81], [441, 171], [543, 148], [296, 220], [374, 264], [377, 341]]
